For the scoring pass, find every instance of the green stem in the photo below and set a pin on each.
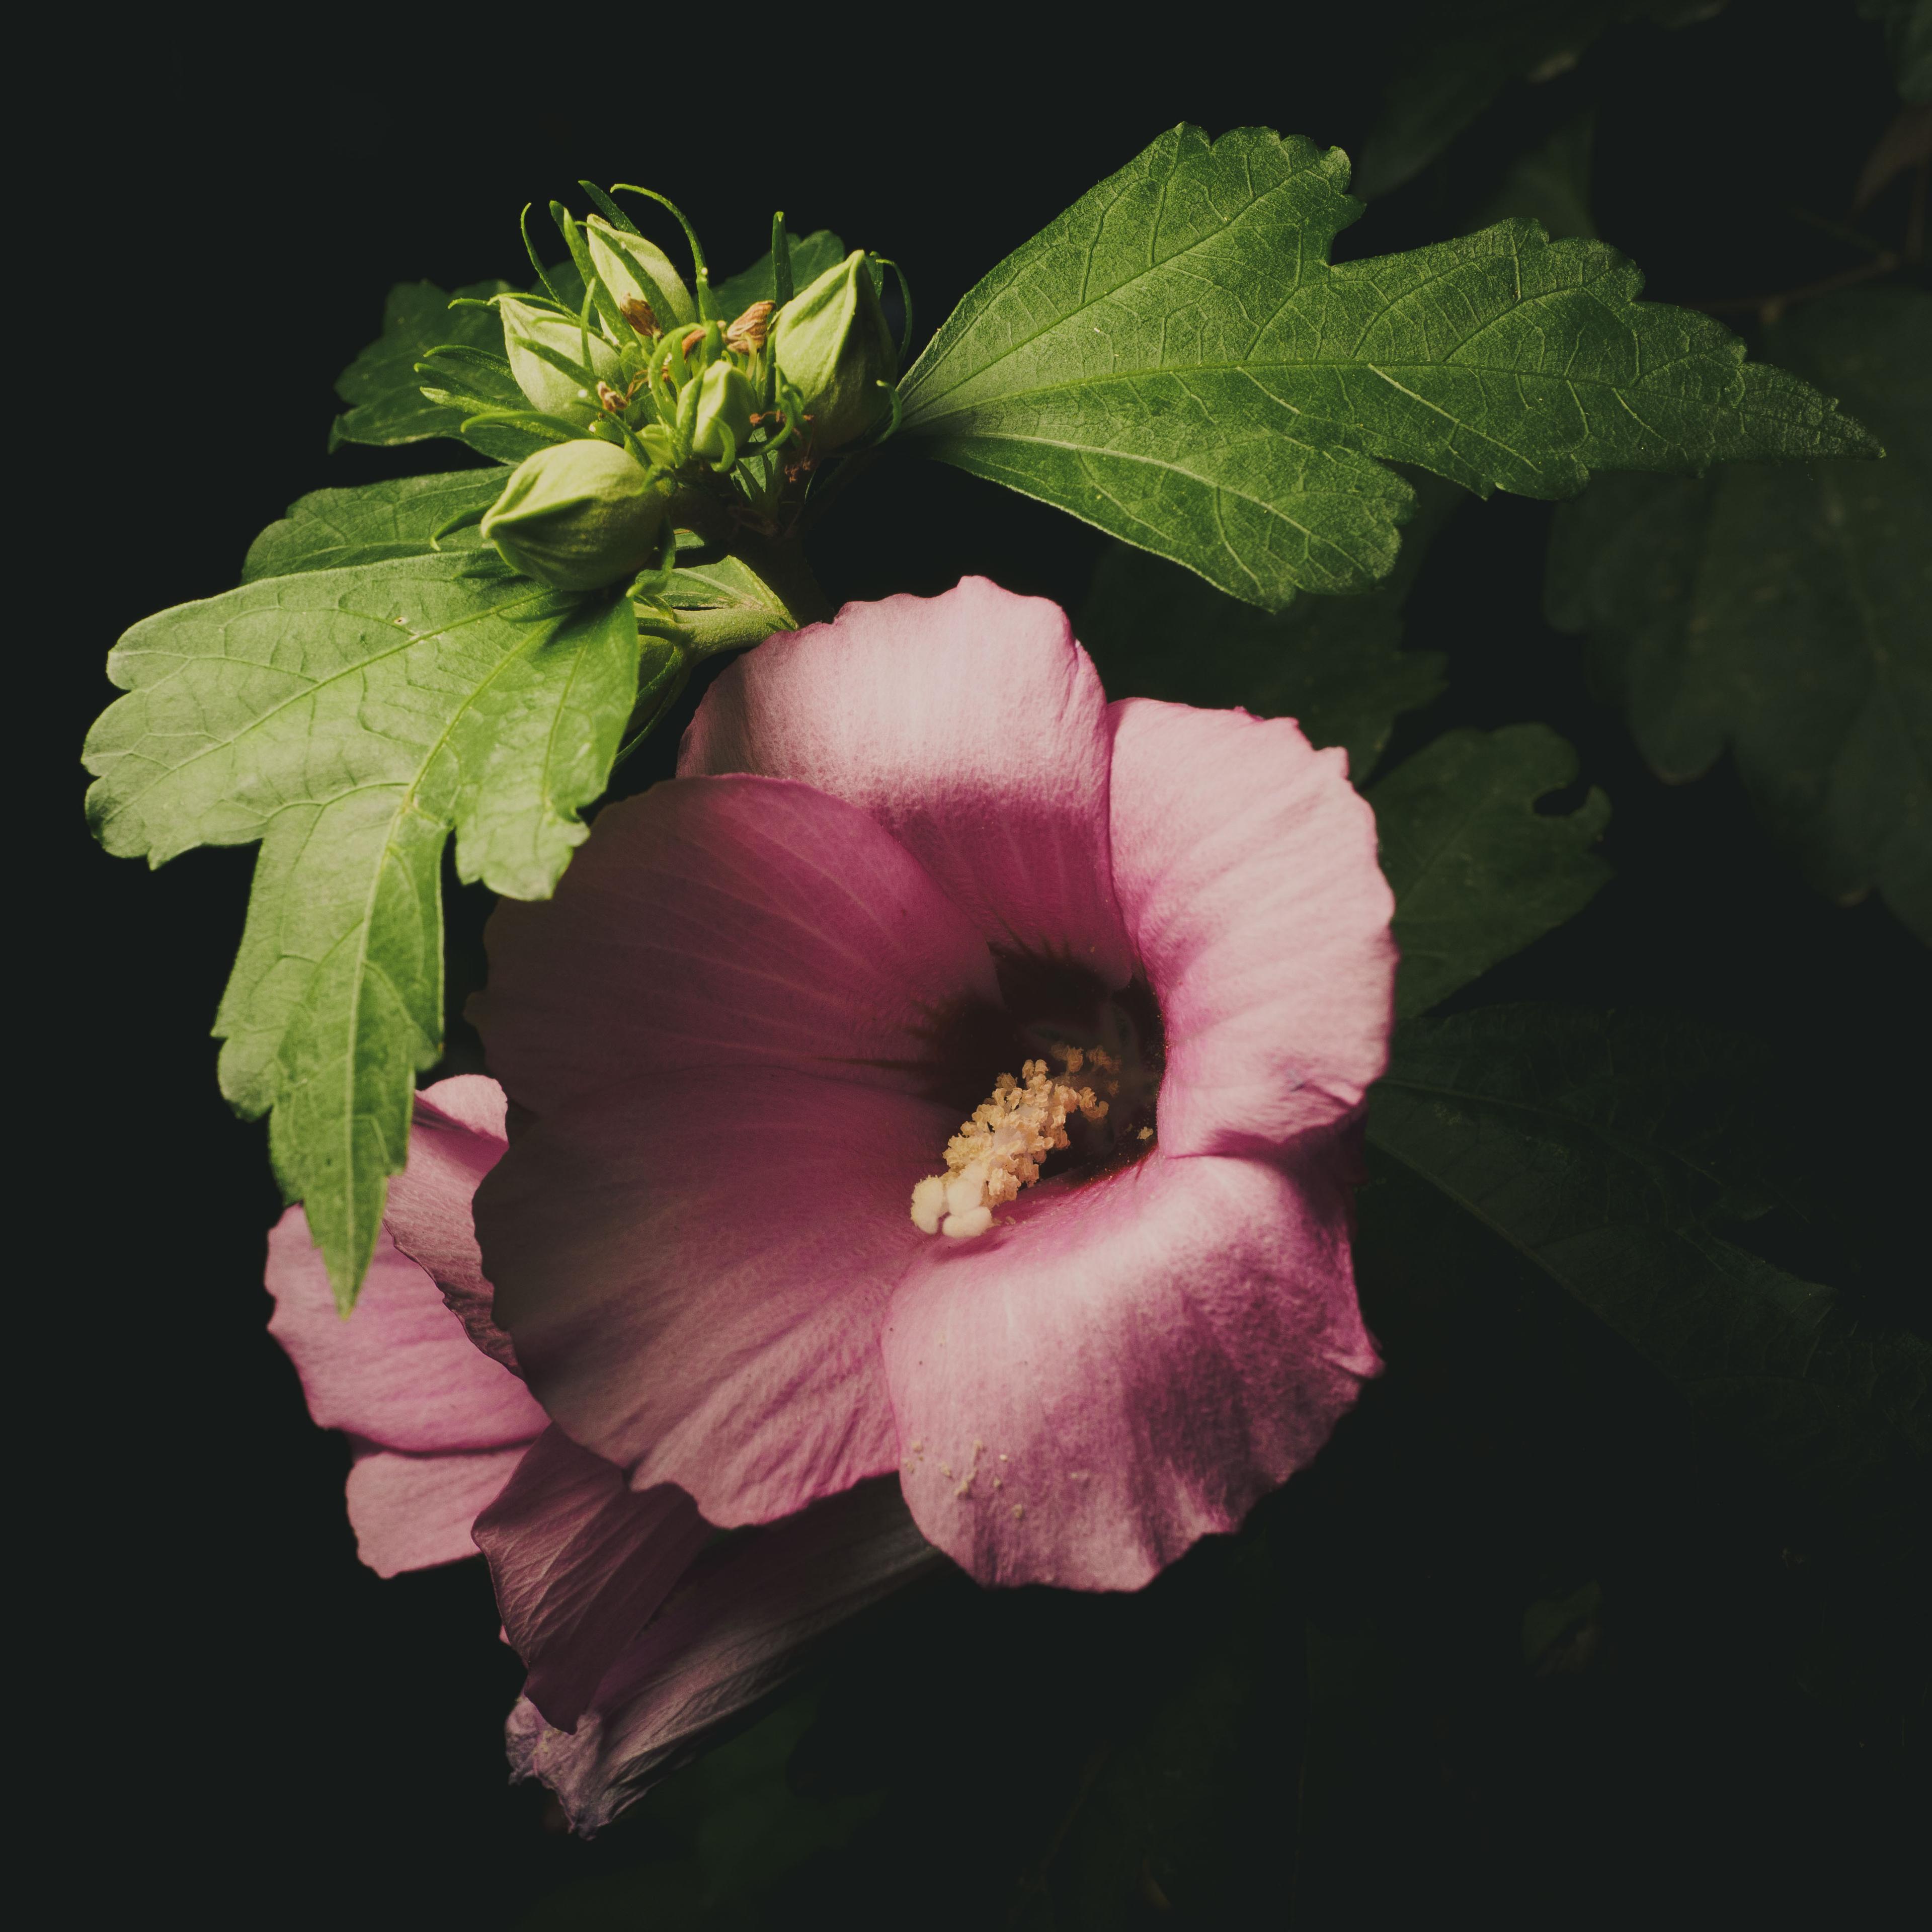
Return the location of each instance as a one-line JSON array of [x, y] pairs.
[[779, 563]]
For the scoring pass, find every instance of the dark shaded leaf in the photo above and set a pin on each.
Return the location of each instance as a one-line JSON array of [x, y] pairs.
[[1454, 62], [1907, 27], [1335, 664], [1478, 873], [1601, 1147], [384, 392], [812, 255], [1551, 186], [1782, 613]]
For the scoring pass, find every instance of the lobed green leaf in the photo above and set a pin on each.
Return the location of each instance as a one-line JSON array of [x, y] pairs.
[[1175, 361], [349, 719]]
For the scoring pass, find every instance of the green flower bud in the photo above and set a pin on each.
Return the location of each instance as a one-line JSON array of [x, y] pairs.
[[725, 400], [578, 516], [553, 390], [659, 444], [833, 348], [640, 278]]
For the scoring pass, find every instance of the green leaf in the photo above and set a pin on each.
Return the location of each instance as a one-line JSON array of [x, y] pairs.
[[1335, 664], [331, 529], [1907, 27], [1175, 360], [1477, 872], [1551, 185], [1596, 1145], [812, 255], [387, 406], [1782, 614], [1452, 65], [349, 719]]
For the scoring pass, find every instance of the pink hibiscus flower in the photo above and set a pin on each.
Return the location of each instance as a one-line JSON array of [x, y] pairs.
[[949, 1076], [915, 872], [638, 1632]]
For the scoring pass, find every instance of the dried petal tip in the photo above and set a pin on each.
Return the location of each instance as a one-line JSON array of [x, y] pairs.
[[747, 335], [639, 315], [999, 1151]]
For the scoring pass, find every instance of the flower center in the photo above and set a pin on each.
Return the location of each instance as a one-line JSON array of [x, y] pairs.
[[999, 1149]]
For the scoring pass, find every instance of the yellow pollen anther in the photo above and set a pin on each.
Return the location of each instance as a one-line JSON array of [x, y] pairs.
[[999, 1151]]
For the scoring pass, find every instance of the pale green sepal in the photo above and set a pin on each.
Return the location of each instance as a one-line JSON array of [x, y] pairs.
[[636, 270], [553, 390], [726, 402]]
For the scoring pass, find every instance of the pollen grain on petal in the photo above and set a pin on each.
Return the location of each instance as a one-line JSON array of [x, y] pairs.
[[999, 1149]]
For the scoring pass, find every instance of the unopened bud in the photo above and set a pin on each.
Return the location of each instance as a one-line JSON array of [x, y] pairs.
[[747, 335], [554, 390], [637, 271], [725, 401], [834, 348], [578, 516]]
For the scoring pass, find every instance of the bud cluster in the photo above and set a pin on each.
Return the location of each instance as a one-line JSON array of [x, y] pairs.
[[649, 395]]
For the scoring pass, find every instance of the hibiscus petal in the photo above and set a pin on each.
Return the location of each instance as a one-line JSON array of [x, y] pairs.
[[722, 922], [400, 1371], [1246, 866], [1128, 1367], [695, 1269], [580, 1562], [749, 1618], [457, 1137], [413, 1512], [972, 727]]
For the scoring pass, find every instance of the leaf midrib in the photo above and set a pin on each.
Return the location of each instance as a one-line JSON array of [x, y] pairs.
[[1251, 370], [365, 923]]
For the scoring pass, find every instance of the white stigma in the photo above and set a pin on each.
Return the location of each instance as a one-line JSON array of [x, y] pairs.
[[999, 1151]]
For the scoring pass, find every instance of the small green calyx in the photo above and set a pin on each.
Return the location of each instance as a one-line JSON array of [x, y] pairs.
[[579, 516], [726, 404], [647, 289], [833, 347], [547, 352]]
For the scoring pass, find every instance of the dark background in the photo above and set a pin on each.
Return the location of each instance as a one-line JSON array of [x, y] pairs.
[[249, 1727]]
